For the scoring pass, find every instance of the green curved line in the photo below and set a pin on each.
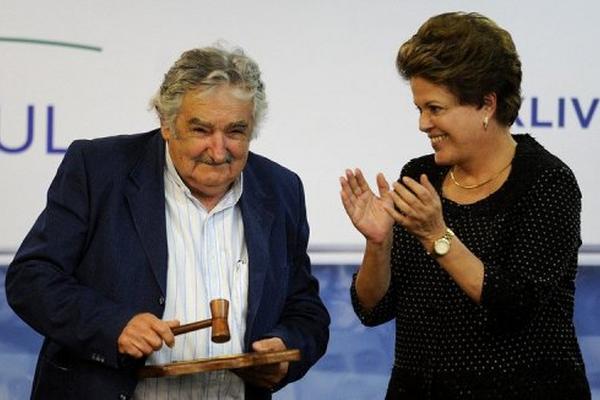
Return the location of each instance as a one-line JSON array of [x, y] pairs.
[[50, 43]]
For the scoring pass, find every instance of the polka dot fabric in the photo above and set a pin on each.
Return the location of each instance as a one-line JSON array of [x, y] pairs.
[[519, 343]]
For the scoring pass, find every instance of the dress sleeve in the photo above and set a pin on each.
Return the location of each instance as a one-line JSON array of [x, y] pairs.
[[539, 262], [380, 314]]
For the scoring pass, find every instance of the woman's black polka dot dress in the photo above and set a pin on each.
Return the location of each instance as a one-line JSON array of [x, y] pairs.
[[520, 342]]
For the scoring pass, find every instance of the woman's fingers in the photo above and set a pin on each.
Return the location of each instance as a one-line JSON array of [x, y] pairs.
[[361, 181], [396, 215], [420, 196], [353, 182], [400, 204], [408, 198], [350, 200], [382, 185]]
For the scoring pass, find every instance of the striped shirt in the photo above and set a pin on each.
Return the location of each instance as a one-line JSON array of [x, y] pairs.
[[207, 259]]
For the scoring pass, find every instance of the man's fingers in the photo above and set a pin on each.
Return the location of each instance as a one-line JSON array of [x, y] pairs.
[[173, 323], [266, 376], [145, 333], [153, 339], [270, 344], [146, 347], [135, 347], [131, 351], [170, 337], [165, 330], [251, 376]]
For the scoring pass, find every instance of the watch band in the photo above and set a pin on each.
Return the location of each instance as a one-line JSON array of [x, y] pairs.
[[441, 246]]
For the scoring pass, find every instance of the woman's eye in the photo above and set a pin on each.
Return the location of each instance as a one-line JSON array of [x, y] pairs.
[[435, 109]]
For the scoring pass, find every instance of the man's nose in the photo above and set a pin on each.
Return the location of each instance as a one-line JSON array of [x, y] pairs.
[[218, 147]]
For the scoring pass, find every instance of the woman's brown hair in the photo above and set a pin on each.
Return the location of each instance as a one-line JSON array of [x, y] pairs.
[[471, 56]]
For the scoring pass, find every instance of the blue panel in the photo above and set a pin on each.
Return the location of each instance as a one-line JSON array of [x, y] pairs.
[[19, 346], [358, 360], [587, 322]]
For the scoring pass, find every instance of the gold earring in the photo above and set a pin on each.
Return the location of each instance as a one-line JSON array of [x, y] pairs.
[[485, 122]]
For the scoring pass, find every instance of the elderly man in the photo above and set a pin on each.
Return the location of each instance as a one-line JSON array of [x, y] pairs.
[[141, 231]]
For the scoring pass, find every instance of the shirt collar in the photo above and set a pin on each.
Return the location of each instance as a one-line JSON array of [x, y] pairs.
[[230, 199]]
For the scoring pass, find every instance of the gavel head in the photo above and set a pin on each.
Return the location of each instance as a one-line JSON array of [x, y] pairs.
[[219, 309]]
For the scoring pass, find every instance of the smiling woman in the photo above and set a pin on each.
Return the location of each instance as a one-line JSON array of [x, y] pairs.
[[474, 250]]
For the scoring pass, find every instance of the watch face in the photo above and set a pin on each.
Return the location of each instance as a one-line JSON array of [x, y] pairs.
[[441, 246]]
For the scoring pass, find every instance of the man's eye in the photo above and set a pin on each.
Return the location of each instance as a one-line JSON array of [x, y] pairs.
[[237, 132]]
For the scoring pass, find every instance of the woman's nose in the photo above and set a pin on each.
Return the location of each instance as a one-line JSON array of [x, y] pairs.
[[425, 123]]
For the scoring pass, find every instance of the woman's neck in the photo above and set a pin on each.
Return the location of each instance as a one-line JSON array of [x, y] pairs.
[[489, 159], [467, 183]]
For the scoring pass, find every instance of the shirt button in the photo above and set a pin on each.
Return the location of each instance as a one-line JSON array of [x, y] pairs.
[[161, 300]]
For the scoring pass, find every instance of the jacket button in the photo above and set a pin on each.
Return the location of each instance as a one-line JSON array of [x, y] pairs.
[[123, 397], [161, 300]]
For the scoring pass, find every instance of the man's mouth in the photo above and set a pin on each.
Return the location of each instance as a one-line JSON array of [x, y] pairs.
[[208, 160]]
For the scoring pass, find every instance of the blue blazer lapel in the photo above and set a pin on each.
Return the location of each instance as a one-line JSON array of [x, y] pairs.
[[257, 214], [146, 198]]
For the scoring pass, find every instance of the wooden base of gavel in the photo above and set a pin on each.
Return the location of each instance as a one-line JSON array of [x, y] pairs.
[[219, 309], [233, 361]]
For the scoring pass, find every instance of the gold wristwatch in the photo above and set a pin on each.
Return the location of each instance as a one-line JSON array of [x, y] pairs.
[[441, 246]]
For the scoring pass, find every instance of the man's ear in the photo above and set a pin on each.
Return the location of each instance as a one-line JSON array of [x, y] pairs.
[[165, 130]]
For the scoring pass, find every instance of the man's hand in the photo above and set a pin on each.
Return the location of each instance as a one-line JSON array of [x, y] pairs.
[[269, 375], [145, 333]]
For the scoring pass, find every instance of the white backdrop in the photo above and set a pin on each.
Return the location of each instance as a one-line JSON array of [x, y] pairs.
[[336, 100]]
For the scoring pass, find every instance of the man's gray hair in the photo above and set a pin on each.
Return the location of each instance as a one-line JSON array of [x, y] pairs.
[[209, 67]]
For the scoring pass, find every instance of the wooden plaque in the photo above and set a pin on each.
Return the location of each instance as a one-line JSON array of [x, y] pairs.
[[217, 363]]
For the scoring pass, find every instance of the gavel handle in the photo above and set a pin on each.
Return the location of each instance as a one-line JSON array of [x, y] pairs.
[[193, 326]]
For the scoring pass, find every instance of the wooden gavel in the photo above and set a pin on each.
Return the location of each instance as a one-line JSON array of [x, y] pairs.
[[219, 308]]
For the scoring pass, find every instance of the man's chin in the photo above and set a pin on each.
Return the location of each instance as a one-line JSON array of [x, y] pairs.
[[212, 189]]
